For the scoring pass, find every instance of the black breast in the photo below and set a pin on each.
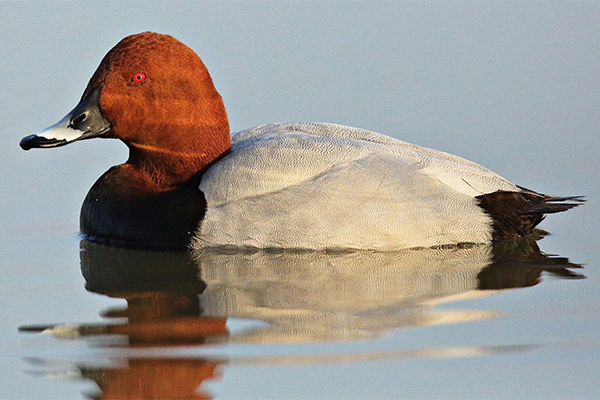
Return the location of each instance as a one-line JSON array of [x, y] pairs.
[[122, 209]]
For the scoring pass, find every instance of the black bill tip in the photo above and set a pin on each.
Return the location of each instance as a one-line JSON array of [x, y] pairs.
[[32, 141]]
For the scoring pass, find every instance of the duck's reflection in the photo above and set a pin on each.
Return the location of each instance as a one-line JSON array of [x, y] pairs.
[[162, 292], [181, 299], [152, 378]]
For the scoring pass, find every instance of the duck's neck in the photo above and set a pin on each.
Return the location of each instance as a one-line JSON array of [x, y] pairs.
[[169, 167]]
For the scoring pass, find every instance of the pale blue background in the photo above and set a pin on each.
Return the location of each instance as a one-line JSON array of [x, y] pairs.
[[514, 86]]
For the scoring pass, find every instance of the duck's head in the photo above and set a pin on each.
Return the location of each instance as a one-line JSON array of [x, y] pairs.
[[155, 94]]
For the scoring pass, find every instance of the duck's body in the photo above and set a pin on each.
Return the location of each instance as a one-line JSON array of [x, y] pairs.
[[329, 186], [316, 186]]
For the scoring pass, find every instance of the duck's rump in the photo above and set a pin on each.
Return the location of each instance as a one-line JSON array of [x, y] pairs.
[[320, 186], [516, 214]]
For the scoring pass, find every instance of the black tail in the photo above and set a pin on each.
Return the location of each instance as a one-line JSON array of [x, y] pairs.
[[516, 214]]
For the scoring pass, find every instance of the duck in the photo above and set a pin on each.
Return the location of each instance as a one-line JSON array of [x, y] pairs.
[[188, 184]]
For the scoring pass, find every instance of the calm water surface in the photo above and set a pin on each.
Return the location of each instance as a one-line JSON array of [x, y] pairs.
[[513, 86], [483, 321]]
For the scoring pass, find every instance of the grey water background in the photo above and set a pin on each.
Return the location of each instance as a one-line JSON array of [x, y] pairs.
[[513, 86]]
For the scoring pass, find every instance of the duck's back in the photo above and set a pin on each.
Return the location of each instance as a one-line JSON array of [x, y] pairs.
[[330, 186]]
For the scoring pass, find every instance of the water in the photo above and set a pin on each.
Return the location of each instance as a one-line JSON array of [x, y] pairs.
[[513, 86], [191, 321]]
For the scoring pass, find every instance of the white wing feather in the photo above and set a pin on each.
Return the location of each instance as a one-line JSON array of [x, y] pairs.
[[329, 186]]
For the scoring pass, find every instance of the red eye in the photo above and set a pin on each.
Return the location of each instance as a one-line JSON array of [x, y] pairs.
[[139, 77]]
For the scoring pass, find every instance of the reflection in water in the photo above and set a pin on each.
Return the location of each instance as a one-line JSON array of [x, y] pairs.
[[152, 379], [316, 296], [176, 299]]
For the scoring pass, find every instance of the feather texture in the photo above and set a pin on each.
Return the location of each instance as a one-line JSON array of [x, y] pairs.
[[329, 186]]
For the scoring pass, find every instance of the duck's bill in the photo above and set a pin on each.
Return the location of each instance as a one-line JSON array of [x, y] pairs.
[[85, 121]]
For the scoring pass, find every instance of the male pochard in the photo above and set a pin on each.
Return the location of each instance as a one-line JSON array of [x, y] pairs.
[[188, 185]]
